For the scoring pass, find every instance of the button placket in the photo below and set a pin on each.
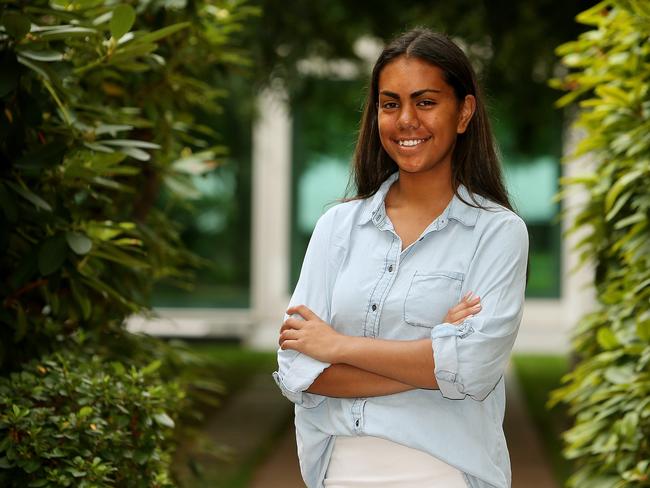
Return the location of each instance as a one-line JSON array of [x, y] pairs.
[[388, 277], [378, 295], [357, 415]]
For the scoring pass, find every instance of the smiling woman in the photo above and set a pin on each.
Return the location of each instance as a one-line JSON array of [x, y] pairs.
[[410, 295]]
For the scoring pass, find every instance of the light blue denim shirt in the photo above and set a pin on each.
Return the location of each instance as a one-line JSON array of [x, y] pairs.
[[356, 277]]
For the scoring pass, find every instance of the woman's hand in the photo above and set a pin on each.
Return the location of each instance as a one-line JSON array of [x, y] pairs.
[[311, 336], [466, 308]]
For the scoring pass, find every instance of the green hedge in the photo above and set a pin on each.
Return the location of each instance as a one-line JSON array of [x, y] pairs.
[[101, 110], [609, 390], [71, 419]]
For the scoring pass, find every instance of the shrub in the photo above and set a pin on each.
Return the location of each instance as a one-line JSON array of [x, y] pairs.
[[609, 390], [101, 105], [70, 419], [99, 111]]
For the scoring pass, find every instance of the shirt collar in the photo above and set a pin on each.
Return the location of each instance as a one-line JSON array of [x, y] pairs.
[[457, 209]]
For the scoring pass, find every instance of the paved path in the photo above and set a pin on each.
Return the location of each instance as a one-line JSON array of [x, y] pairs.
[[530, 469]]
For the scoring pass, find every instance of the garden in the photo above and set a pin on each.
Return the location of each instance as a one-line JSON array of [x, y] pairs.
[[115, 116]]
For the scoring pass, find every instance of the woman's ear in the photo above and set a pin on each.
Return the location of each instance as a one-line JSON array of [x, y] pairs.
[[467, 109]]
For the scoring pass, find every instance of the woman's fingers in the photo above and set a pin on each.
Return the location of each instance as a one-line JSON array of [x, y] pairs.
[[304, 311], [292, 323], [289, 335], [469, 305]]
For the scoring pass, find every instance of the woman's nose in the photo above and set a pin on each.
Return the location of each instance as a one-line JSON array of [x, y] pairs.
[[408, 119]]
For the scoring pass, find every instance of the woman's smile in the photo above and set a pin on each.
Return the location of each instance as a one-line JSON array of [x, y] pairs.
[[411, 143]]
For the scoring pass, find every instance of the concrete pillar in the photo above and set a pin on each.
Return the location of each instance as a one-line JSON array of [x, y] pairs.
[[578, 292], [271, 217]]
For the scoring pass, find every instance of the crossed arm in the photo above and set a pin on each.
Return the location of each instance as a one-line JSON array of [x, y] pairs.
[[362, 366]]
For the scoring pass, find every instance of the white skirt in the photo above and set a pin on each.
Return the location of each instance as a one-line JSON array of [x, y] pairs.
[[367, 461]]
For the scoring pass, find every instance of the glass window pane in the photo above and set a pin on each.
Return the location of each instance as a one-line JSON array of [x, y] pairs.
[[219, 226]]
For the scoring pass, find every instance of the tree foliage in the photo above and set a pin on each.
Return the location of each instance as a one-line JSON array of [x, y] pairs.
[[101, 107], [609, 390], [99, 111]]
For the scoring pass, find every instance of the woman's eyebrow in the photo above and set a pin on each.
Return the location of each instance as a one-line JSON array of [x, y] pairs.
[[415, 94]]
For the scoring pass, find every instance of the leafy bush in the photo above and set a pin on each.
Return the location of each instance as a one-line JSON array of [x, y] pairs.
[[99, 113], [609, 390], [70, 419], [101, 107]]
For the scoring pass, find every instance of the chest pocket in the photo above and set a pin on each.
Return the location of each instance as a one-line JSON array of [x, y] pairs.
[[430, 296]]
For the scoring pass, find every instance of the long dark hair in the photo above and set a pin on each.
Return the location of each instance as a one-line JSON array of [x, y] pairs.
[[474, 162]]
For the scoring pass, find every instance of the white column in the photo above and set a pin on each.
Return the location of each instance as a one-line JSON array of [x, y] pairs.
[[271, 217], [578, 292]]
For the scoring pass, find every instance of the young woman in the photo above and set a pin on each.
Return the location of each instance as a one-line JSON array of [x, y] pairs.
[[410, 295]]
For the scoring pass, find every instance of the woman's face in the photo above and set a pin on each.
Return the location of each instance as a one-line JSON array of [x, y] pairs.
[[419, 115]]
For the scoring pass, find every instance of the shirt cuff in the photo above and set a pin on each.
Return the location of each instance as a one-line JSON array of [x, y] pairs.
[[444, 342], [300, 374]]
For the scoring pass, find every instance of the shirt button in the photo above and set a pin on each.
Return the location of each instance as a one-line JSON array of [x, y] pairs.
[[374, 307], [357, 423], [390, 268]]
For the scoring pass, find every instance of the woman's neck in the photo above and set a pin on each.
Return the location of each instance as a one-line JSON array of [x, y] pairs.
[[427, 192]]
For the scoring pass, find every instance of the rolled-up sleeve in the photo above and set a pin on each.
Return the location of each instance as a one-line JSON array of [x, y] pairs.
[[297, 371], [470, 358]]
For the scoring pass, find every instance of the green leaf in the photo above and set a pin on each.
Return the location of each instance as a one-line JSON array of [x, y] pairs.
[[31, 465], [607, 339], [118, 368], [619, 186], [30, 196], [16, 24], [78, 242], [619, 375], [160, 33], [66, 32], [643, 330], [164, 420], [620, 202], [135, 153], [52, 254], [130, 143], [76, 4], [85, 411], [122, 20], [46, 56], [152, 367]]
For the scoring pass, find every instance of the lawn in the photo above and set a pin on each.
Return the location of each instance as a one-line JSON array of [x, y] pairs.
[[538, 376]]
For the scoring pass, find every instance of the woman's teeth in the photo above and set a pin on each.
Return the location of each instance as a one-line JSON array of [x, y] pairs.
[[410, 142]]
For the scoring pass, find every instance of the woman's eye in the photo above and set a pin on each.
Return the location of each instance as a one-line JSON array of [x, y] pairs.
[[389, 105], [426, 103]]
